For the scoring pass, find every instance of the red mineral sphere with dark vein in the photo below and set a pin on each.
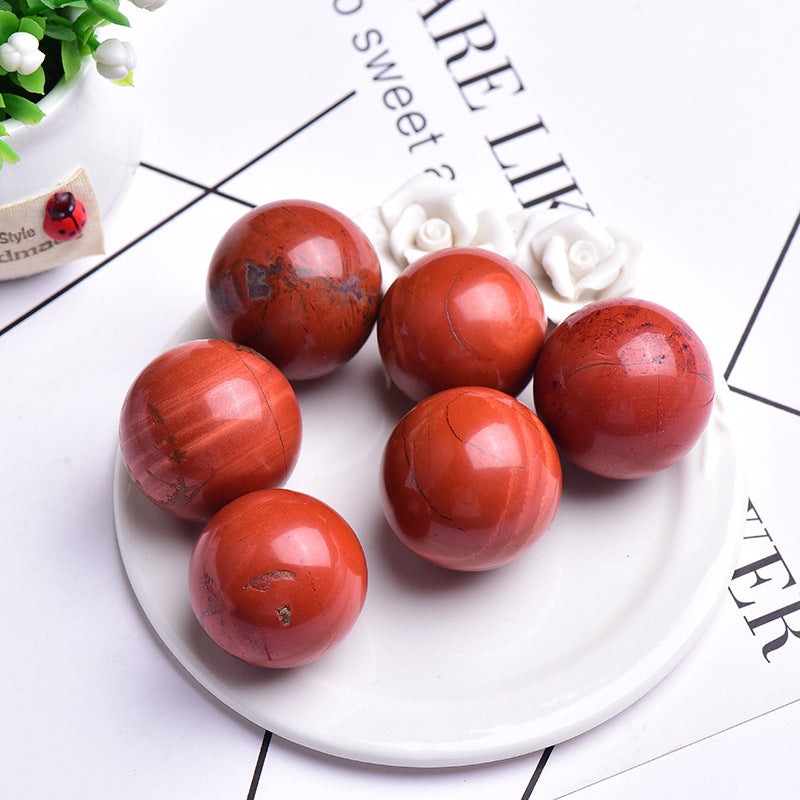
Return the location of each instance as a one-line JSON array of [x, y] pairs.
[[463, 316], [297, 281], [625, 388], [470, 479], [205, 422], [277, 578]]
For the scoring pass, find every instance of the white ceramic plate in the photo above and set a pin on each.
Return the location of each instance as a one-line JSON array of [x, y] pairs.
[[447, 669]]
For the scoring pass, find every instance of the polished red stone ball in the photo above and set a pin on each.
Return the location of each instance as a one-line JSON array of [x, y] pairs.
[[625, 387], [277, 578], [470, 479], [297, 281], [205, 422], [461, 317]]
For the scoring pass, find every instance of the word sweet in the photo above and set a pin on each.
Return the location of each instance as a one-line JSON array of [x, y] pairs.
[[396, 95]]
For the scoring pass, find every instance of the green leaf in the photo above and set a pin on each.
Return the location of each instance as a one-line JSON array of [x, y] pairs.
[[59, 28], [34, 25], [70, 57], [84, 26], [5, 6], [7, 154], [22, 109], [108, 12], [126, 81], [33, 83], [9, 23]]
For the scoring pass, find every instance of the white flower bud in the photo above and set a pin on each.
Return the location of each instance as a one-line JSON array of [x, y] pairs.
[[150, 5], [21, 53], [115, 59]]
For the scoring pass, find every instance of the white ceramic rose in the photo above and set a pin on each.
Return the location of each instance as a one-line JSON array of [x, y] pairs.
[[429, 213], [573, 259]]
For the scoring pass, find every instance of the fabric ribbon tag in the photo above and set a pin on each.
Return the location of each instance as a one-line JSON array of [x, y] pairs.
[[35, 236]]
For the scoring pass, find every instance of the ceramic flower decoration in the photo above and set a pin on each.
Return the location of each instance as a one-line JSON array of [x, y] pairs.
[[573, 259], [430, 213], [570, 256], [44, 42]]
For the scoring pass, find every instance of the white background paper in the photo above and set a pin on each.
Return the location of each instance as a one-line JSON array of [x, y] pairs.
[[675, 121]]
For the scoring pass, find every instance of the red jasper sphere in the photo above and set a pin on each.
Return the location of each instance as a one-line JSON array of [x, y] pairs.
[[205, 422], [461, 317], [277, 578], [625, 387], [470, 479], [297, 281]]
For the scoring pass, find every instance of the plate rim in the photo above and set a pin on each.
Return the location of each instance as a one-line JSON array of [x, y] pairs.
[[635, 681]]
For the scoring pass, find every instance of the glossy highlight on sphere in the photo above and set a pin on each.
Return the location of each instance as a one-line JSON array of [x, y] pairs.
[[625, 387], [461, 317], [297, 281], [470, 479], [205, 422], [277, 578]]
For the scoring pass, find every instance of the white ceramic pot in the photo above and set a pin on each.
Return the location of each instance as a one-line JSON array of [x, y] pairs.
[[90, 124]]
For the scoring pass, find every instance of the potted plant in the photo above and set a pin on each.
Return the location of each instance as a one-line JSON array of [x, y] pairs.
[[65, 129]]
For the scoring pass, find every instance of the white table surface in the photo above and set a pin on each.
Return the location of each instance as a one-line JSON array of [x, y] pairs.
[[675, 121]]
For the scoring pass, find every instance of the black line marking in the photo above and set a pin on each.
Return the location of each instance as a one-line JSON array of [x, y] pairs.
[[215, 188], [751, 322], [205, 192], [64, 289], [678, 749], [765, 400], [286, 138], [226, 196], [262, 755], [174, 175], [537, 773]]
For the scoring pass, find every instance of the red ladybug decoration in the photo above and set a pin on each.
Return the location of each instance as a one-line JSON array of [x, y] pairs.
[[65, 217]]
